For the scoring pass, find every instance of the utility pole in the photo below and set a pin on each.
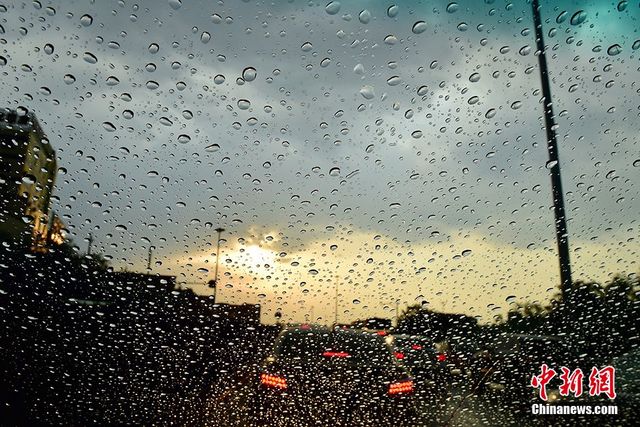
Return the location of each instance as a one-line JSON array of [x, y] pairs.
[[397, 316], [90, 240], [562, 235], [335, 320], [149, 260], [219, 230]]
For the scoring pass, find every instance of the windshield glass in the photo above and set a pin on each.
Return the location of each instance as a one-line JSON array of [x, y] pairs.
[[182, 181]]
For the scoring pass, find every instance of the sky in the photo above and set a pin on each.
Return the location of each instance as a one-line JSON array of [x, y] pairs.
[[389, 152]]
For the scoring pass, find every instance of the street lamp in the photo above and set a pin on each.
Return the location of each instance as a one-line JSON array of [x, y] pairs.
[[214, 283], [562, 235]]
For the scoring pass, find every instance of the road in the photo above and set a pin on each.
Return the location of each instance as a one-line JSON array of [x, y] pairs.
[[229, 404]]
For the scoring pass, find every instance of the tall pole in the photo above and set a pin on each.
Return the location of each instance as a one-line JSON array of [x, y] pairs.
[[219, 230], [90, 240], [149, 260], [335, 320], [562, 235]]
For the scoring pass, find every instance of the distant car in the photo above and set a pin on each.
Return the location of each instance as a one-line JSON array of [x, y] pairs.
[[419, 354], [508, 363], [319, 376]]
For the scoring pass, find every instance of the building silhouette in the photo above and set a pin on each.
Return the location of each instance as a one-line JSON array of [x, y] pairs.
[[27, 175]]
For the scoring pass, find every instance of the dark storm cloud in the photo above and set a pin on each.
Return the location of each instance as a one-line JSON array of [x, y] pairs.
[[315, 156]]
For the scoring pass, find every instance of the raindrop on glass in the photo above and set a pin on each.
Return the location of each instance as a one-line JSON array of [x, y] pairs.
[[249, 74], [90, 58], [86, 20], [332, 7], [419, 27], [578, 18]]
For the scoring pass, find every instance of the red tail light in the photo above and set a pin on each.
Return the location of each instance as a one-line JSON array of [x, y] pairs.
[[401, 387], [441, 357], [275, 381], [336, 354], [399, 355], [416, 347]]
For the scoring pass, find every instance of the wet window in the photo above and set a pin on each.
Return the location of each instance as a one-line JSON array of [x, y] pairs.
[[435, 200]]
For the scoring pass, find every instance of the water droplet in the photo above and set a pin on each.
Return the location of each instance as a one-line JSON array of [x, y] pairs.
[[367, 92], [325, 62], [473, 100], [125, 97], [636, 45], [313, 272], [392, 11], [165, 121], [390, 39], [452, 7], [153, 85], [109, 127], [614, 49], [356, 301], [364, 16], [475, 77], [184, 138], [622, 5], [490, 113], [463, 26], [334, 171], [578, 18], [306, 46], [187, 114], [181, 85], [423, 90], [358, 69], [154, 48], [48, 48], [86, 20], [332, 7], [219, 79], [369, 148], [244, 104], [175, 4], [551, 163], [205, 37], [515, 105], [212, 148], [562, 17], [112, 81], [416, 134], [525, 50], [127, 114], [249, 74], [69, 79], [3, 61], [90, 58], [394, 81], [419, 27]]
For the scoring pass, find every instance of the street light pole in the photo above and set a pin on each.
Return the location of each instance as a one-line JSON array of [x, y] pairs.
[[219, 230], [335, 320], [149, 259], [562, 235]]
